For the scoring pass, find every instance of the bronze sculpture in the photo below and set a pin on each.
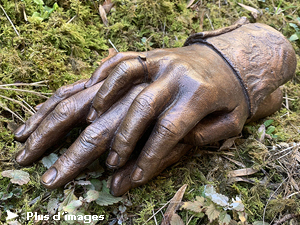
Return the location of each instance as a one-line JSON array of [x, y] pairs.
[[203, 92]]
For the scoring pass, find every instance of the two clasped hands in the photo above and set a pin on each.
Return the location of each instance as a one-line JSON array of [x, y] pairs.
[[173, 98]]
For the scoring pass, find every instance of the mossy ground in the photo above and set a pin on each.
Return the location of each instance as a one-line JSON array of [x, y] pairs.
[[69, 44]]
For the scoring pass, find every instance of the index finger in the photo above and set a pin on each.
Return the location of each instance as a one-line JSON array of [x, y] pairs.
[[23, 132], [90, 145], [108, 65], [56, 125]]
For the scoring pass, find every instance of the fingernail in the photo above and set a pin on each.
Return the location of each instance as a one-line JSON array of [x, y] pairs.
[[20, 155], [92, 115], [113, 159], [88, 83], [137, 174], [120, 185], [49, 176], [19, 131]]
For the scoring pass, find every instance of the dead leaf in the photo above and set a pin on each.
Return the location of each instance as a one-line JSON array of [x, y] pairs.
[[11, 215], [297, 156], [189, 3], [234, 161], [12, 126], [294, 183], [254, 12], [241, 172], [195, 206], [261, 133], [103, 15], [17, 176], [173, 206], [228, 143], [176, 220], [107, 5]]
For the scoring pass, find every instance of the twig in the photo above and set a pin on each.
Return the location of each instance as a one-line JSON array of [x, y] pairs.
[[28, 91], [154, 217], [72, 19], [212, 27], [7, 109], [285, 218], [18, 102], [37, 84], [10, 21], [288, 148], [158, 211], [270, 199], [113, 45], [190, 220], [284, 155], [32, 109], [295, 193], [286, 101]]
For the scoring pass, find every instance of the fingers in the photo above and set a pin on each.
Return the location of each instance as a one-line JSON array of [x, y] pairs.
[[23, 132], [108, 65], [92, 142], [171, 126], [217, 126], [56, 125], [123, 77], [144, 109], [121, 180]]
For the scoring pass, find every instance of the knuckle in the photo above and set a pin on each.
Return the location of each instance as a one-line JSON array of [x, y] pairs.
[[65, 159], [181, 67], [63, 109], [144, 103], [168, 128], [122, 67], [123, 138], [88, 138], [62, 91]]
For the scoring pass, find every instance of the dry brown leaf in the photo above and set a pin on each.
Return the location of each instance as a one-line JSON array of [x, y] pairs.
[[294, 183], [261, 133], [241, 172], [174, 205], [103, 15], [189, 3], [107, 5], [297, 156], [255, 12], [228, 143], [234, 161], [176, 220], [17, 176]]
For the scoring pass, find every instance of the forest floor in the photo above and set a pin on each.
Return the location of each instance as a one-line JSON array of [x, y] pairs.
[[45, 44]]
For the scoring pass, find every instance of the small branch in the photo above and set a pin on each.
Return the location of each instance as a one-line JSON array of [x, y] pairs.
[[37, 84], [212, 27], [113, 45], [285, 218], [158, 211], [28, 91], [29, 106], [7, 109], [264, 213], [10, 21], [18, 102], [72, 19]]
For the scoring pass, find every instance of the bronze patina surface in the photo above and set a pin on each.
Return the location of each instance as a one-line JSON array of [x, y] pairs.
[[194, 95]]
